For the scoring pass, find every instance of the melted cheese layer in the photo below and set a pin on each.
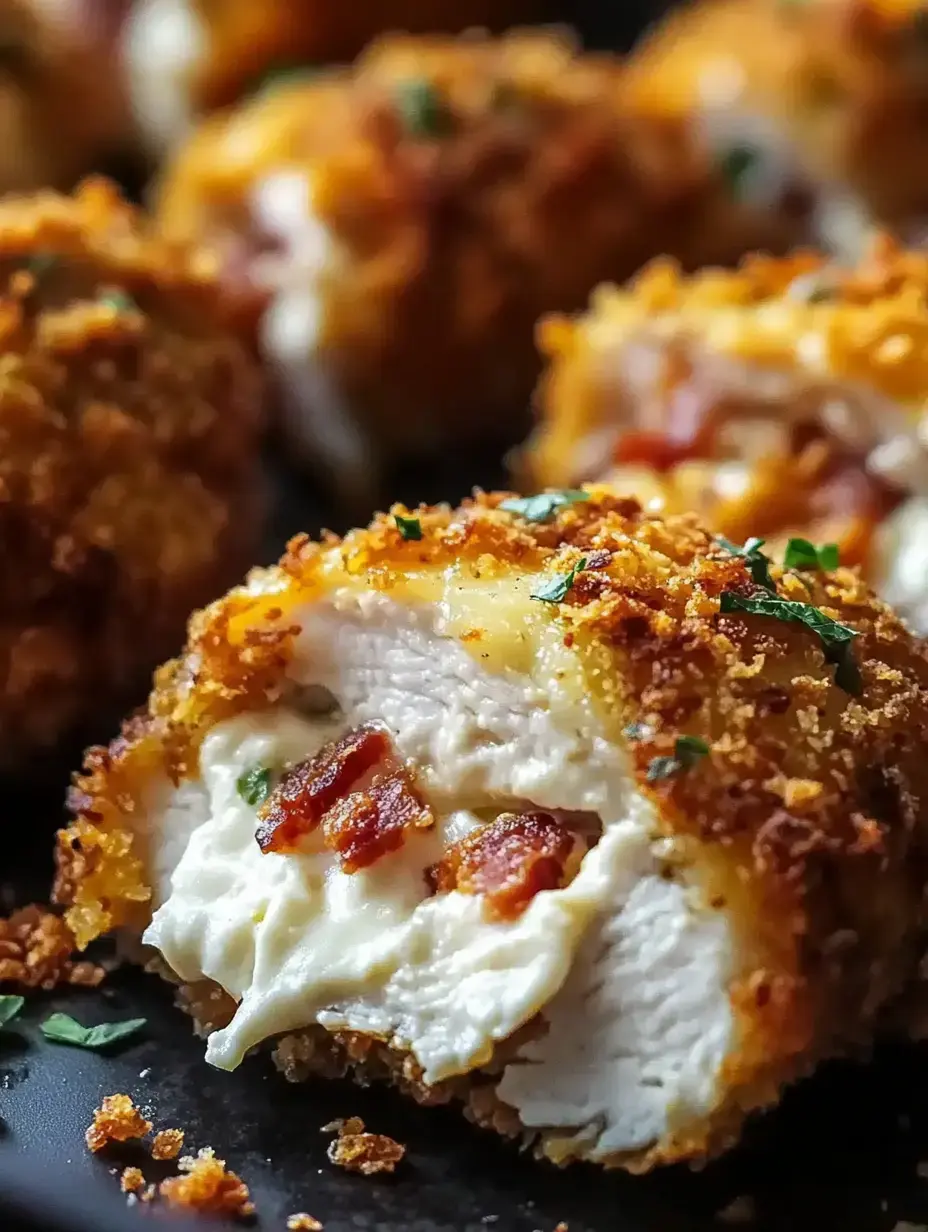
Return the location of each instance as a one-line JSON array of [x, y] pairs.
[[295, 941]]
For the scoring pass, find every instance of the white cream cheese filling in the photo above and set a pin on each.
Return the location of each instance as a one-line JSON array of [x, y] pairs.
[[294, 940], [164, 40]]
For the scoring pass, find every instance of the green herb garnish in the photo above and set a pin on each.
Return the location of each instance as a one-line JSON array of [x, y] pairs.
[[9, 1008], [63, 1029], [254, 785], [555, 590], [421, 107], [119, 301], [835, 638], [409, 528], [544, 505], [636, 731], [801, 554], [739, 164], [687, 751], [758, 565]]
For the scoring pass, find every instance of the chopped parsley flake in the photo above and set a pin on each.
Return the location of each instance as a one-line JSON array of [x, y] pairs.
[[758, 565], [835, 638], [421, 107], [254, 785], [409, 528], [687, 751], [801, 554], [556, 590], [63, 1029], [119, 301], [544, 506], [9, 1008]]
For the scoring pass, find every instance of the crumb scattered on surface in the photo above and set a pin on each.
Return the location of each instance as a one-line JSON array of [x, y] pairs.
[[205, 1185], [739, 1210], [357, 1151], [116, 1120], [148, 1194], [35, 952], [301, 1222], [131, 1180], [167, 1144]]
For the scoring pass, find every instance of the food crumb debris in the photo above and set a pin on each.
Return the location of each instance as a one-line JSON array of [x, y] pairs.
[[116, 1120], [204, 1184], [35, 952], [131, 1180], [358, 1151], [301, 1222], [739, 1210], [167, 1144]]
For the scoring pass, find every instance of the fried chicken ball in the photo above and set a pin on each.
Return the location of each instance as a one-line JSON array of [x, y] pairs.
[[185, 58], [545, 805], [787, 399], [128, 426], [832, 92], [60, 103], [405, 223]]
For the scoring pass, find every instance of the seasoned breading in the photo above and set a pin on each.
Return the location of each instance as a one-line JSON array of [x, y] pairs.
[[399, 226], [785, 398], [731, 788], [129, 423], [832, 90]]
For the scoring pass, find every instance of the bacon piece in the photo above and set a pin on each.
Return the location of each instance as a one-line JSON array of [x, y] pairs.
[[508, 862], [368, 824], [297, 805]]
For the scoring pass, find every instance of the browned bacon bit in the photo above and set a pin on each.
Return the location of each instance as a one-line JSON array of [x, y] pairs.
[[357, 1151], [297, 805], [368, 824], [509, 862]]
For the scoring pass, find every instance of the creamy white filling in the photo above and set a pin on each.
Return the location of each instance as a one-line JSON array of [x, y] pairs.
[[901, 562], [317, 417], [294, 940], [163, 42]]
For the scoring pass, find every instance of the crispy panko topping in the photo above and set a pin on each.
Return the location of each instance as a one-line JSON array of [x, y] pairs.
[[206, 1186], [508, 861], [167, 1144], [131, 1180], [116, 1120], [358, 1151], [35, 952]]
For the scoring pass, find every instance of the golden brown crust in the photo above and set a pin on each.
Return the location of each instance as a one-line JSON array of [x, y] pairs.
[[116, 1120], [128, 469], [808, 802], [533, 184]]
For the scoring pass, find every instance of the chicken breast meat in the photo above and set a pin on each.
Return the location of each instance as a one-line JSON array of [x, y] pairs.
[[129, 429], [545, 805], [398, 228], [831, 93], [785, 399], [184, 58]]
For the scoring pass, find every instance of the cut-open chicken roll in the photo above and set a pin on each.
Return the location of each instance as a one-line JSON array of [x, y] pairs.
[[786, 398], [531, 804]]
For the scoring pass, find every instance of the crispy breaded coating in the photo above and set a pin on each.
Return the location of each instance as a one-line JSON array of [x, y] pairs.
[[116, 1120], [416, 214], [206, 1185], [167, 1144], [131, 1180], [787, 397], [36, 949], [807, 815], [357, 1151], [128, 472], [836, 87]]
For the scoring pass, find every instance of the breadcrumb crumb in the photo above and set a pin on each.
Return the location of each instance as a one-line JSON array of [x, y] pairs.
[[167, 1144], [301, 1222], [357, 1151], [35, 952], [205, 1185], [131, 1180], [116, 1120]]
